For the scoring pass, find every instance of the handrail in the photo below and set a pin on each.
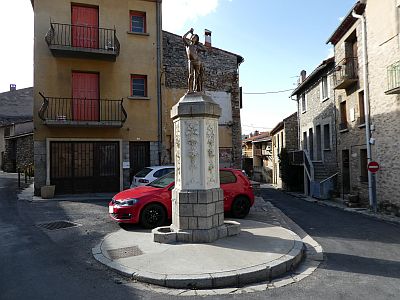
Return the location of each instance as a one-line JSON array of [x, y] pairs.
[[309, 165], [330, 177]]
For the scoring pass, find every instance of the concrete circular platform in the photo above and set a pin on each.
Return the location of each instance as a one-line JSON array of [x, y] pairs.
[[259, 253]]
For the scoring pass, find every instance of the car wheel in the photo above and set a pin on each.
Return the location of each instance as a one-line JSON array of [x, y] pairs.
[[240, 207], [153, 215]]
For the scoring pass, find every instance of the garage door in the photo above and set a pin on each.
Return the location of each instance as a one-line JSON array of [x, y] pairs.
[[85, 167]]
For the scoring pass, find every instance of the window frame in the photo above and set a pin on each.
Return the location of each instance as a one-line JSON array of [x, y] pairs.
[[141, 14], [138, 76], [303, 98], [324, 86]]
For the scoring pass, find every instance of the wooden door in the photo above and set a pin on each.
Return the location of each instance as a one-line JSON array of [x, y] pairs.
[[85, 94], [85, 26]]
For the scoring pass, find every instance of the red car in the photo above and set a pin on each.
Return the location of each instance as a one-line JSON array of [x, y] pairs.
[[150, 205]]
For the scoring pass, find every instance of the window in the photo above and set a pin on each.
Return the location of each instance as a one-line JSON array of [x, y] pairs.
[[324, 88], [303, 103], [138, 85], [226, 177], [363, 165], [327, 137], [138, 21], [343, 116], [361, 120]]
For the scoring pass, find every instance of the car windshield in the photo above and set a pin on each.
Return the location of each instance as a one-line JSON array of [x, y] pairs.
[[143, 172], [164, 181]]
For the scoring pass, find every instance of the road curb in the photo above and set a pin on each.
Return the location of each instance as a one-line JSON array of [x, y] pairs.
[[214, 280]]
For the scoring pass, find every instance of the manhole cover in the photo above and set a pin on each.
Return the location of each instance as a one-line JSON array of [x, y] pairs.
[[124, 252], [57, 225]]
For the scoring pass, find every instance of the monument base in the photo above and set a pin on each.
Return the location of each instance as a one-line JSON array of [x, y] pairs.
[[169, 234]]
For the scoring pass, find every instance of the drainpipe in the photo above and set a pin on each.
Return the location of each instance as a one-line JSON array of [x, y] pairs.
[[371, 176], [159, 104]]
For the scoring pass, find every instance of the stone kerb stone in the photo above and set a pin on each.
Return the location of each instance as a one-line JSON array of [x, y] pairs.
[[197, 199]]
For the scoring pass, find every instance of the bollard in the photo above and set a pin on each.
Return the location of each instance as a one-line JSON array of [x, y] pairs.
[[19, 178]]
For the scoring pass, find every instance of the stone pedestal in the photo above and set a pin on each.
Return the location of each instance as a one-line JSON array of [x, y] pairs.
[[197, 199]]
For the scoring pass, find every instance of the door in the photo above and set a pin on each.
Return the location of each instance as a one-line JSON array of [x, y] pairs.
[[311, 143], [345, 171], [319, 142], [85, 95], [139, 157], [84, 167], [85, 26]]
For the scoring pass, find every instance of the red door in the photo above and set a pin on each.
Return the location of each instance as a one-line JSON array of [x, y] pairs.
[[85, 94], [85, 26]]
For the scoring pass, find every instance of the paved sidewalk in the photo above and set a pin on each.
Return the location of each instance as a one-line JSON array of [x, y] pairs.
[[260, 252]]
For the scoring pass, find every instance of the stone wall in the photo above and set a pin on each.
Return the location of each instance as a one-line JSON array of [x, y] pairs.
[[221, 74], [352, 138], [291, 132], [384, 50], [18, 153]]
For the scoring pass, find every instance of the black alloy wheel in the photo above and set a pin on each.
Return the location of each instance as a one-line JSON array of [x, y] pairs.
[[153, 215], [240, 207]]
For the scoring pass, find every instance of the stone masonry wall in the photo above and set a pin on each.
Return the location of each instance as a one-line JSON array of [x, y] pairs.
[[18, 153], [383, 51], [221, 74], [320, 112], [351, 139]]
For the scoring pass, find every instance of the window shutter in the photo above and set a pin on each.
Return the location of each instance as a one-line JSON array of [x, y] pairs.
[[328, 80]]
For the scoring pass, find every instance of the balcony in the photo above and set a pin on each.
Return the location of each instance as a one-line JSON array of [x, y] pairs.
[[65, 40], [248, 153], [393, 75], [266, 152], [257, 152], [346, 73], [78, 112]]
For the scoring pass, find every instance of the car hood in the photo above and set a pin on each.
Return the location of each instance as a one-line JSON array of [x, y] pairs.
[[136, 192]]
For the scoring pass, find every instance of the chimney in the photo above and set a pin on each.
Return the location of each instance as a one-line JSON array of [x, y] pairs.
[[13, 87], [207, 41], [303, 75], [256, 133]]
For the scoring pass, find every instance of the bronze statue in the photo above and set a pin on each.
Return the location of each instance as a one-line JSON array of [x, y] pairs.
[[195, 79]]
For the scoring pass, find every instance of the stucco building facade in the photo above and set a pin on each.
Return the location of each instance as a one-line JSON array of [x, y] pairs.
[[105, 79]]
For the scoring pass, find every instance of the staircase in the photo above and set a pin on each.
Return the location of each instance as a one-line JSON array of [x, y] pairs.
[[320, 171]]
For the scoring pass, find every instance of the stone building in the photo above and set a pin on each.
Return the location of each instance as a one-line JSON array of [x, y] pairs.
[[221, 74], [317, 126], [16, 130], [383, 49], [257, 156], [349, 92], [284, 136]]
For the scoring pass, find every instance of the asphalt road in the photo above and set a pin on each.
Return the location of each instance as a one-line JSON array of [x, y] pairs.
[[362, 254]]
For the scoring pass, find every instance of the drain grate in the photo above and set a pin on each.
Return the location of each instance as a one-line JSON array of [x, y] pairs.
[[56, 225], [124, 252]]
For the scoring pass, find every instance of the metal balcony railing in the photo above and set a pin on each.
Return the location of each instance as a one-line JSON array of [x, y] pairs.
[[75, 112], [346, 72], [393, 75], [82, 41]]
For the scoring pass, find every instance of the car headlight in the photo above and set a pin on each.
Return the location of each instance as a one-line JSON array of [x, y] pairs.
[[128, 202]]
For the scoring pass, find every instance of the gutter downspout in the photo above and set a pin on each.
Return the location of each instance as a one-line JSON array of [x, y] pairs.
[[371, 177], [159, 104]]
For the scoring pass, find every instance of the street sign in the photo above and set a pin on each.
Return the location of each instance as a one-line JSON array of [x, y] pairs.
[[373, 167]]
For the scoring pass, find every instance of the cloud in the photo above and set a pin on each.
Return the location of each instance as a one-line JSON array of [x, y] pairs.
[[176, 13]]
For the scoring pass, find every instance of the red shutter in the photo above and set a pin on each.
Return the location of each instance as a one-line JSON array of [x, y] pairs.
[[85, 26], [85, 94]]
